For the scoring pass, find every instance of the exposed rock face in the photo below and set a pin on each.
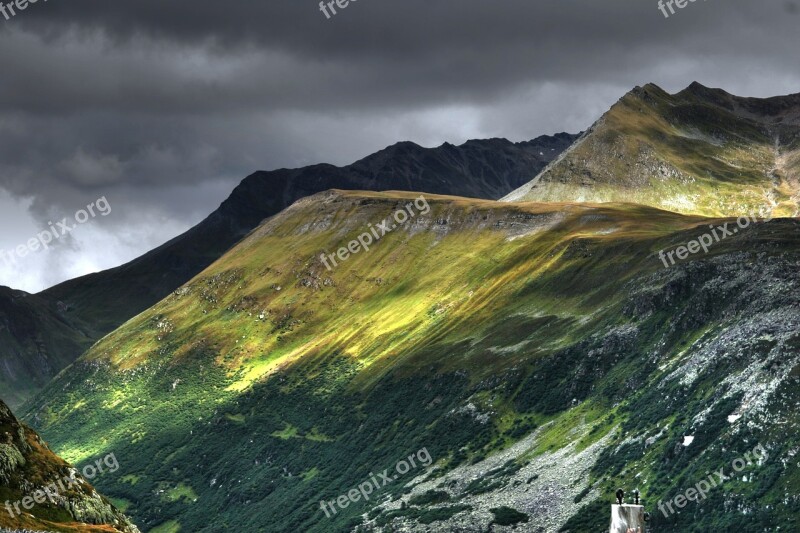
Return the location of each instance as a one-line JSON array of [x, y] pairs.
[[27, 466], [543, 488]]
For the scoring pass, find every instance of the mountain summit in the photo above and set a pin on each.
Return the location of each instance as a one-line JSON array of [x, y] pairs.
[[701, 151]]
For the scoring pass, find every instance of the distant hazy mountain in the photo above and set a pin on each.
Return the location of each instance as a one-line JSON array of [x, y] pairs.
[[27, 467], [541, 354], [700, 151], [42, 334]]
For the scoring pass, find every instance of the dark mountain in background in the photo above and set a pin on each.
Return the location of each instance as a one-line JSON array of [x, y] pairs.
[[86, 308], [477, 169], [38, 338]]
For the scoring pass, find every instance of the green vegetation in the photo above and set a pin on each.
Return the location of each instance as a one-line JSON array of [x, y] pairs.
[[167, 527], [506, 516], [269, 384], [180, 492], [430, 497]]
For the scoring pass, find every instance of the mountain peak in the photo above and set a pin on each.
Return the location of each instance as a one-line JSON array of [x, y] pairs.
[[727, 155], [708, 94], [698, 88], [653, 87], [773, 110], [695, 90], [644, 92]]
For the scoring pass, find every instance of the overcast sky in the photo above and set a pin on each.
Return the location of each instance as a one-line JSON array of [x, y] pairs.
[[163, 107]]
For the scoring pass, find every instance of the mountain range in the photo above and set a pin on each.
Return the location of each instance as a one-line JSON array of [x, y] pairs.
[[538, 349], [73, 315]]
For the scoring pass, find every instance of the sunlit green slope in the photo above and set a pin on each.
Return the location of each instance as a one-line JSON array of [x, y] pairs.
[[541, 353], [41, 334]]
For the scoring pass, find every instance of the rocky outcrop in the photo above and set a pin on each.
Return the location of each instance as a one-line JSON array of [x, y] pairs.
[[25, 461]]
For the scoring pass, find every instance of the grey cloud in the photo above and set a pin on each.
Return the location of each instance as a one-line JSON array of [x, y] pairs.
[[217, 57], [165, 106]]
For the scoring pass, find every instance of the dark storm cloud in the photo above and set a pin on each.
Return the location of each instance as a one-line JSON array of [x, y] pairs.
[[286, 54], [166, 105]]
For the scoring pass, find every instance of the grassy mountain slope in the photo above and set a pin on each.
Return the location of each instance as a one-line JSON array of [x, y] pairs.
[[26, 466], [479, 168], [38, 338], [700, 151], [541, 354], [41, 335]]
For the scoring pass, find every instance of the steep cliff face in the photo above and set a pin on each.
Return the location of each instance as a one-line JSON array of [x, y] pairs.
[[40, 492]]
